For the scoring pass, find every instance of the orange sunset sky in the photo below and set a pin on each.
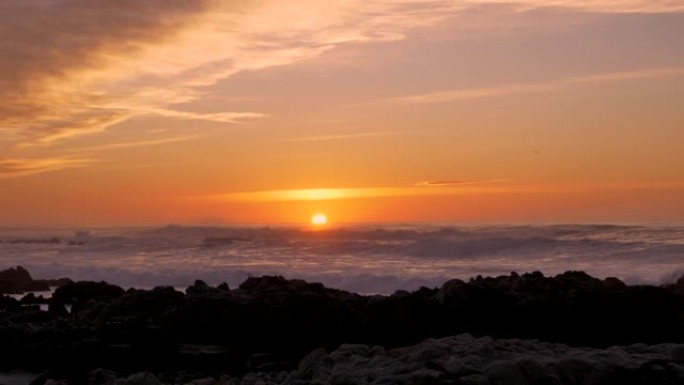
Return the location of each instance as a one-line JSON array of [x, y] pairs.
[[243, 111]]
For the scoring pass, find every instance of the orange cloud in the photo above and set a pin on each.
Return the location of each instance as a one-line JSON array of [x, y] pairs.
[[76, 67]]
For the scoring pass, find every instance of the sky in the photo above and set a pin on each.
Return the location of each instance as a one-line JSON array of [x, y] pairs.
[[267, 111]]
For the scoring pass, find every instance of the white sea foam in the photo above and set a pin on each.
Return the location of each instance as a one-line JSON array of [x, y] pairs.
[[364, 259]]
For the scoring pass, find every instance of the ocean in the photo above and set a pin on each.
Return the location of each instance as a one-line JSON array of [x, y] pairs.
[[365, 259]]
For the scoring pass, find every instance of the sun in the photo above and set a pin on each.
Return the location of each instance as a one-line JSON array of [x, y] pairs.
[[319, 219]]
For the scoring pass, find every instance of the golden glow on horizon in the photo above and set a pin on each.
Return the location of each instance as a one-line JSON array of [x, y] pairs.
[[321, 194], [319, 219]]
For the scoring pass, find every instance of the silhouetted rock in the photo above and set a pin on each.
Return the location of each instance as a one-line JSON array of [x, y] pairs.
[[139, 379], [678, 286], [57, 309], [18, 280], [464, 359], [8, 303], [57, 282], [101, 377], [82, 291], [32, 299], [612, 283], [85, 294], [269, 324]]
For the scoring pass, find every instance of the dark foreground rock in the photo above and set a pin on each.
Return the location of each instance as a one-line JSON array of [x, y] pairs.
[[18, 281], [461, 360], [268, 324]]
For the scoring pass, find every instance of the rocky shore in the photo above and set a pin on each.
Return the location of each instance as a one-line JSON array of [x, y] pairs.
[[462, 359], [522, 329]]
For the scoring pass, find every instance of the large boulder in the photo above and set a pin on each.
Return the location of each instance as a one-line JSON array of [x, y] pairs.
[[18, 280]]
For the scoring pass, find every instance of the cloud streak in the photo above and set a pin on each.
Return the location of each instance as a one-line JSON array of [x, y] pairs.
[[549, 86], [12, 168], [322, 138], [221, 117], [446, 188], [596, 6], [133, 144], [447, 183], [320, 194]]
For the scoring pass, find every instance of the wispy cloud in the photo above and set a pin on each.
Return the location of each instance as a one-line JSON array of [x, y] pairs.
[[221, 117], [321, 138], [446, 188], [598, 6], [552, 85], [132, 144], [443, 183], [75, 67], [624, 185], [12, 168]]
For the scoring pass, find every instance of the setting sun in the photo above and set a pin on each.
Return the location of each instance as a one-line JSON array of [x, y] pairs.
[[319, 219]]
